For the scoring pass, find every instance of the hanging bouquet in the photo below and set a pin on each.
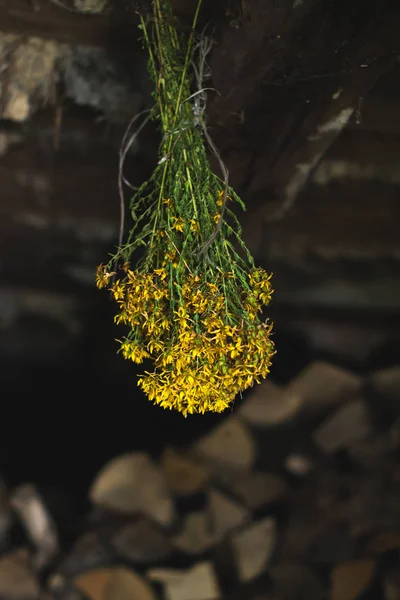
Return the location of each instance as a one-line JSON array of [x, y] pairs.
[[192, 303]]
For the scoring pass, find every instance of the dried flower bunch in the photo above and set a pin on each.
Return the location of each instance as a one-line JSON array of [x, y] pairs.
[[192, 303]]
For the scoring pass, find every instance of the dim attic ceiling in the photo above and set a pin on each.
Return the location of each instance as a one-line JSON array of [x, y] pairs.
[[307, 119]]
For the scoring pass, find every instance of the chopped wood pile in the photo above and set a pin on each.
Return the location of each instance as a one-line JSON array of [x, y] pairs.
[[233, 516]]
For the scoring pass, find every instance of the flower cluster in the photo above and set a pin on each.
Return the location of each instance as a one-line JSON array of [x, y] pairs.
[[204, 354], [189, 295]]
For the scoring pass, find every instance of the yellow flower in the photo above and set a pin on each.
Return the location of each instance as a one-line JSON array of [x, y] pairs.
[[103, 276], [162, 273], [131, 276], [168, 202], [133, 351], [181, 312], [167, 359], [185, 337], [158, 294], [212, 288], [220, 198], [155, 346], [121, 317], [264, 297], [179, 224], [220, 405], [165, 324], [194, 226], [195, 352], [198, 301], [171, 258], [179, 365], [118, 290], [193, 279]]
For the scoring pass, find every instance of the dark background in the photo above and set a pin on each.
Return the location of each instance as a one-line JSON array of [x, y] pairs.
[[308, 123]]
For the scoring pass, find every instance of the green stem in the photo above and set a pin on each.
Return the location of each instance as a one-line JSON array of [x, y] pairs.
[[178, 101], [188, 55]]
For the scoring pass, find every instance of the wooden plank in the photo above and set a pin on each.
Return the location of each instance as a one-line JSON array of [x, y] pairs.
[[50, 21], [348, 221], [353, 220], [379, 113], [294, 80], [361, 155]]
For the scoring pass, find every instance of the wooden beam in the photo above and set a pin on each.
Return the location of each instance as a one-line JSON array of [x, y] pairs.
[[51, 185], [249, 49], [46, 189], [65, 205], [294, 81], [345, 221], [379, 113], [361, 155], [46, 20], [68, 190]]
